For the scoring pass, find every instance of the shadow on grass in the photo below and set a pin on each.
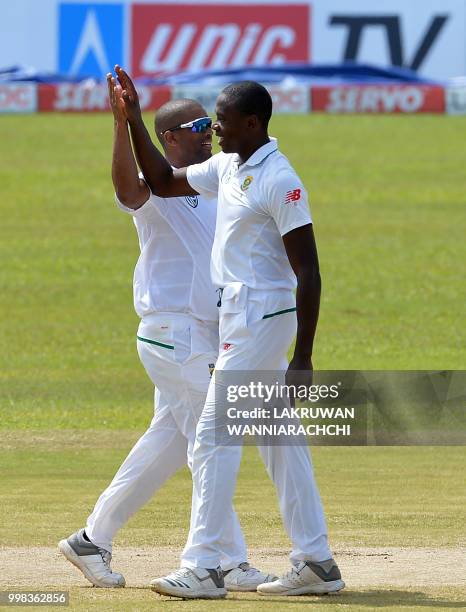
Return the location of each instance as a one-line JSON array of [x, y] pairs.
[[372, 599]]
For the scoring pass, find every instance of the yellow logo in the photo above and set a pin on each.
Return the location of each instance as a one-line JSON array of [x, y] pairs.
[[247, 181]]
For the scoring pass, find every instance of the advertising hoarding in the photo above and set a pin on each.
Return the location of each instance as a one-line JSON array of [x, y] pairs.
[[18, 97], [85, 38]]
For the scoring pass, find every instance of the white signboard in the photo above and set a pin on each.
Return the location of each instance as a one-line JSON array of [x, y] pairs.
[[456, 100], [425, 36], [18, 97], [294, 99]]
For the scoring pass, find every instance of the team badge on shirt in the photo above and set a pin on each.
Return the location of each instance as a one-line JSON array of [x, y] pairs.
[[247, 181], [192, 201], [211, 368], [293, 196]]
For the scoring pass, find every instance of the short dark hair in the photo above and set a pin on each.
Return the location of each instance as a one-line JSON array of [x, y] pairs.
[[250, 98], [173, 113]]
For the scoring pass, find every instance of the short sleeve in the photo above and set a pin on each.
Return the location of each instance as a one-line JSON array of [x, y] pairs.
[[287, 202], [143, 211], [203, 178]]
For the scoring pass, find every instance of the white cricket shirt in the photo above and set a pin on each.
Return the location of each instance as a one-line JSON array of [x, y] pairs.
[[258, 202], [173, 270]]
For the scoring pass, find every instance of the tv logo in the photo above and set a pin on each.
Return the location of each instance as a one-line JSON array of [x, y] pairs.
[[90, 38], [357, 25]]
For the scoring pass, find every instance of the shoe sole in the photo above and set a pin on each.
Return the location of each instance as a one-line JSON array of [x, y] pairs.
[[249, 588], [73, 558], [242, 589], [326, 588], [214, 594], [237, 588]]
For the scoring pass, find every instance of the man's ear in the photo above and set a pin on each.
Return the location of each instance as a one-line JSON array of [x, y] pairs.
[[253, 122], [169, 138]]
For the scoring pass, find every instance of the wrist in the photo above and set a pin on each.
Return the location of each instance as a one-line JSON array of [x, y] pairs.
[[302, 357], [135, 120]]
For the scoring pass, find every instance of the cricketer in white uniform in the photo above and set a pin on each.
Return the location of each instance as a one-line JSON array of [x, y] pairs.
[[177, 340], [263, 245]]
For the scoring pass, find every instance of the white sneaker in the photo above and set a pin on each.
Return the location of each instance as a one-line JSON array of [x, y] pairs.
[[306, 578], [93, 562], [245, 578], [198, 583]]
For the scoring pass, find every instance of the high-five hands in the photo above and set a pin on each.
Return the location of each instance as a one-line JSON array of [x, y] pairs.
[[117, 104], [128, 94]]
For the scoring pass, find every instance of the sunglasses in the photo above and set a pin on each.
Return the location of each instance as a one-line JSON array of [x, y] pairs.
[[198, 125]]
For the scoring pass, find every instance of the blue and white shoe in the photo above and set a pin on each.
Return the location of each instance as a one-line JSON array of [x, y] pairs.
[[197, 583]]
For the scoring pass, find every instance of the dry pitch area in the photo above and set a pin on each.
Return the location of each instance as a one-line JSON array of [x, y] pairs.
[[375, 577], [362, 568]]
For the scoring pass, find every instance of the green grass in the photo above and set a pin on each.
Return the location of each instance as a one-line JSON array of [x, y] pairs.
[[406, 600], [38, 508], [138, 600], [387, 199]]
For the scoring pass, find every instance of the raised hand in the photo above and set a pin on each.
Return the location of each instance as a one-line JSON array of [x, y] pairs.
[[117, 104], [129, 95]]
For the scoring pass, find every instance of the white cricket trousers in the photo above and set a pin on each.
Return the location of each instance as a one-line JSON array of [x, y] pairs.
[[248, 341], [178, 353]]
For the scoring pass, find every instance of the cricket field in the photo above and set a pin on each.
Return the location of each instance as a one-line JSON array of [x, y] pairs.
[[388, 202]]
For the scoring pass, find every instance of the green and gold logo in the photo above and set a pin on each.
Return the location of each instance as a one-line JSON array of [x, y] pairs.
[[247, 181]]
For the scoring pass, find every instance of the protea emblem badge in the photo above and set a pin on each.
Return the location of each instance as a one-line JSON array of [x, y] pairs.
[[247, 181]]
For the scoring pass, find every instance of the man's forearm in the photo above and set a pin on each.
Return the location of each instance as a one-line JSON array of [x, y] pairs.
[[124, 170], [154, 166], [302, 252], [307, 311]]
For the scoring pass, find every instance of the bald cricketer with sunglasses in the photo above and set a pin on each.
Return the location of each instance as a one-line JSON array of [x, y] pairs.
[[177, 339]]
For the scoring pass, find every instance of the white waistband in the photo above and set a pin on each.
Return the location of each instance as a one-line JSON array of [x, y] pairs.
[[177, 319], [259, 294]]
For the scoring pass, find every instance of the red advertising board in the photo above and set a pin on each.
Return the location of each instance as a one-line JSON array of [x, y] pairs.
[[379, 99], [71, 97], [168, 38], [18, 97]]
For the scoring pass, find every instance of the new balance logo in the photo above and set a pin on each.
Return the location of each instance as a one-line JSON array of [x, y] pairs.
[[292, 196]]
